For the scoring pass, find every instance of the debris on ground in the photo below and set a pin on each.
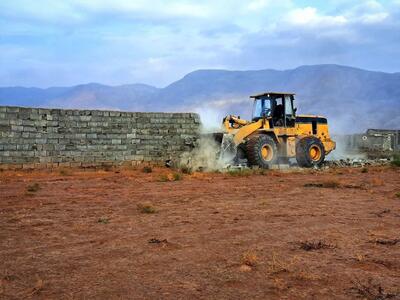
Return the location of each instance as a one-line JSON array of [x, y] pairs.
[[157, 241], [356, 162], [389, 242], [315, 245], [372, 291]]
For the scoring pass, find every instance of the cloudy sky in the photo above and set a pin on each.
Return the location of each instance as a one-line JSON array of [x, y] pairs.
[[65, 42]]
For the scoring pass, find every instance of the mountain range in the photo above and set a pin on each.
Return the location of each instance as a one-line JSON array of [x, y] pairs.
[[352, 99]]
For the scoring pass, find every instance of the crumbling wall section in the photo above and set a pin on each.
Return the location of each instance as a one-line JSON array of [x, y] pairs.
[[372, 140], [36, 137]]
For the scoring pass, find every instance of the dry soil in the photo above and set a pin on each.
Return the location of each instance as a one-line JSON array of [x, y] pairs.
[[75, 234]]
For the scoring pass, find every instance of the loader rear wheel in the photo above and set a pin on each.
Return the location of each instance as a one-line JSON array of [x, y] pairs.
[[310, 152], [262, 151]]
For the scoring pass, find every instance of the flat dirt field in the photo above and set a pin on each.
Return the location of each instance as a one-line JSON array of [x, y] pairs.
[[117, 234]]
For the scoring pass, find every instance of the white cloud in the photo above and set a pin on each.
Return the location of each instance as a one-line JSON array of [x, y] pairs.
[[368, 12], [55, 12], [258, 4], [158, 41], [156, 8], [374, 18], [309, 16]]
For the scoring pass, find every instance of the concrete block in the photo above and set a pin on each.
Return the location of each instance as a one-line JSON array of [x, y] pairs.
[[11, 109], [17, 128], [5, 122], [91, 135]]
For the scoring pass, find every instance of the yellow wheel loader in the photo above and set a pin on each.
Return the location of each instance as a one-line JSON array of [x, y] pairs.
[[275, 134]]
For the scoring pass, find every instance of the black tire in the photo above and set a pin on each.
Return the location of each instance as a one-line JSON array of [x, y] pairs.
[[310, 152], [262, 151]]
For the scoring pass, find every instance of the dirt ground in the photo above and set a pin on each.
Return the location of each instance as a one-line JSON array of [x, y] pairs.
[[75, 234]]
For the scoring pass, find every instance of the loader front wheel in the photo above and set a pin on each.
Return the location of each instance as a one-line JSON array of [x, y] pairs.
[[262, 151], [310, 152]]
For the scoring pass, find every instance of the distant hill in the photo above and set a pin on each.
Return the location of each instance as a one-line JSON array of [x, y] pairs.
[[352, 99], [92, 95]]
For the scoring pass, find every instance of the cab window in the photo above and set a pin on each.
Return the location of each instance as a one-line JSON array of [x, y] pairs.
[[288, 106]]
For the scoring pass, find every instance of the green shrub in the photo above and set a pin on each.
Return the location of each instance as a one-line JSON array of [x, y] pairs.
[[65, 172], [186, 170], [163, 178], [34, 187], [103, 220], [146, 209], [177, 176], [396, 160], [147, 169], [326, 184], [170, 177], [107, 168], [247, 172], [240, 173]]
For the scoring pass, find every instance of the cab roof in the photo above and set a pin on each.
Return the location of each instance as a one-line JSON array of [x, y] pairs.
[[272, 94]]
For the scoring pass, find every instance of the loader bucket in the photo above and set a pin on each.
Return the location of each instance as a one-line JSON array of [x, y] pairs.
[[226, 147]]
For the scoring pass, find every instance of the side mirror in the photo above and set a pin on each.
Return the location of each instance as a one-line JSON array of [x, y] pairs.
[[295, 110]]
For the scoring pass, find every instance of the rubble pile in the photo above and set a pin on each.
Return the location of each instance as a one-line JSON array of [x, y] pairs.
[[356, 162]]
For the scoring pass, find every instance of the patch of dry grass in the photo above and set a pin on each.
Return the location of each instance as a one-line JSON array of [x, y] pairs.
[[247, 172], [249, 258], [147, 169], [163, 178], [277, 265], [372, 291], [359, 257], [32, 188], [170, 177], [146, 209], [186, 170], [177, 176], [315, 245], [103, 220], [39, 286], [65, 172], [332, 184], [240, 173]]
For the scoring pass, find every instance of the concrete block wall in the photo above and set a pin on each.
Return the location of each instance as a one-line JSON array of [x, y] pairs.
[[36, 137]]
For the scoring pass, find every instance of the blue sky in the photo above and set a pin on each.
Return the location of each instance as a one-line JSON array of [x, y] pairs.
[[65, 42]]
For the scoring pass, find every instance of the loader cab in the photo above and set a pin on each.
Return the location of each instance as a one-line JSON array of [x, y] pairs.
[[277, 108]]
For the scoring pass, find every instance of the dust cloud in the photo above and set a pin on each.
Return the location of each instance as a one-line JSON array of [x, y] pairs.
[[208, 154], [340, 126], [204, 157], [342, 152]]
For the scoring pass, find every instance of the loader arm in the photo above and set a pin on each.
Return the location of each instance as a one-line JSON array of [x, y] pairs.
[[231, 123], [246, 130]]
